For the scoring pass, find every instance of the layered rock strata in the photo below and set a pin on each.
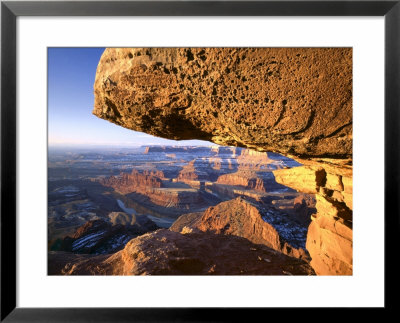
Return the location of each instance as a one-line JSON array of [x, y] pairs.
[[246, 179], [134, 182], [330, 234]]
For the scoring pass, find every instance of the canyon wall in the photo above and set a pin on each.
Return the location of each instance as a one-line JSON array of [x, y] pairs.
[[245, 179], [134, 182], [330, 234], [293, 101]]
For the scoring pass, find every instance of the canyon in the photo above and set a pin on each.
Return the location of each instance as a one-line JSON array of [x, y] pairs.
[[293, 101], [218, 193]]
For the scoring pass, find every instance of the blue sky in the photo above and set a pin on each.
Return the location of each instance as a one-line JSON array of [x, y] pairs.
[[71, 74]]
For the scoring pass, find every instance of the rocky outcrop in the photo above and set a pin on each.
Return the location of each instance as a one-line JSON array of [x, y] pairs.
[[149, 185], [134, 182], [245, 179], [182, 198], [330, 235], [259, 225], [190, 173], [302, 179], [165, 252], [188, 220], [103, 237], [295, 101]]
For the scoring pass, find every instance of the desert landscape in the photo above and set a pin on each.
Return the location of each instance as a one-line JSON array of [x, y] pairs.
[[269, 193]]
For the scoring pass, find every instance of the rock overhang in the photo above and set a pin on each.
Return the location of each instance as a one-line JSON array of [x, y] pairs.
[[293, 101]]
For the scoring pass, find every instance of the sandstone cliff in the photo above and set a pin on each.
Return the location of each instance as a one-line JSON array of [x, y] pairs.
[[330, 235], [134, 182], [246, 179]]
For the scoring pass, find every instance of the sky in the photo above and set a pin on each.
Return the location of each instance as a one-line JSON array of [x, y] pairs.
[[71, 75]]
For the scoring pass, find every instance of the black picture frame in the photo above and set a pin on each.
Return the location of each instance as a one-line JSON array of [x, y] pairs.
[[10, 10]]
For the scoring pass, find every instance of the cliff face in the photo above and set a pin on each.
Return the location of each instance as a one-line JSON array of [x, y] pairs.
[[178, 198], [246, 179], [294, 101], [330, 234], [134, 182]]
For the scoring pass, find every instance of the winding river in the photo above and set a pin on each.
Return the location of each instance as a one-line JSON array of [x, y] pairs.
[[161, 222]]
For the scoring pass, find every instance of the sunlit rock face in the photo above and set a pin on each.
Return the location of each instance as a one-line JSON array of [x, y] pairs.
[[295, 101], [261, 226], [166, 252], [330, 234]]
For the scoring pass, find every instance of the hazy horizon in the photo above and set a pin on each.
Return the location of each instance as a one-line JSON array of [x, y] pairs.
[[71, 75]]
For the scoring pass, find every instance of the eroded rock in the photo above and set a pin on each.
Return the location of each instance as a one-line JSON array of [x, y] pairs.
[[165, 252], [259, 225], [295, 101], [330, 234], [303, 179]]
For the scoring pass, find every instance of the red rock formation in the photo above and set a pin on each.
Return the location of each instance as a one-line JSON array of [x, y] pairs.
[[245, 179], [134, 182], [241, 218], [165, 252], [190, 173], [196, 171], [252, 160], [182, 198]]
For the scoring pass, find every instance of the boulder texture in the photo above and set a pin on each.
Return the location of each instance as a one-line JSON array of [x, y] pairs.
[[330, 234], [165, 252], [295, 101]]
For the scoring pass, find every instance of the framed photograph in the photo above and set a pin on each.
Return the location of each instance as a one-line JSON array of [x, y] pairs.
[[182, 160]]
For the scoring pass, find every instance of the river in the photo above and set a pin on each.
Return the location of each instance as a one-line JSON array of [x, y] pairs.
[[161, 222]]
